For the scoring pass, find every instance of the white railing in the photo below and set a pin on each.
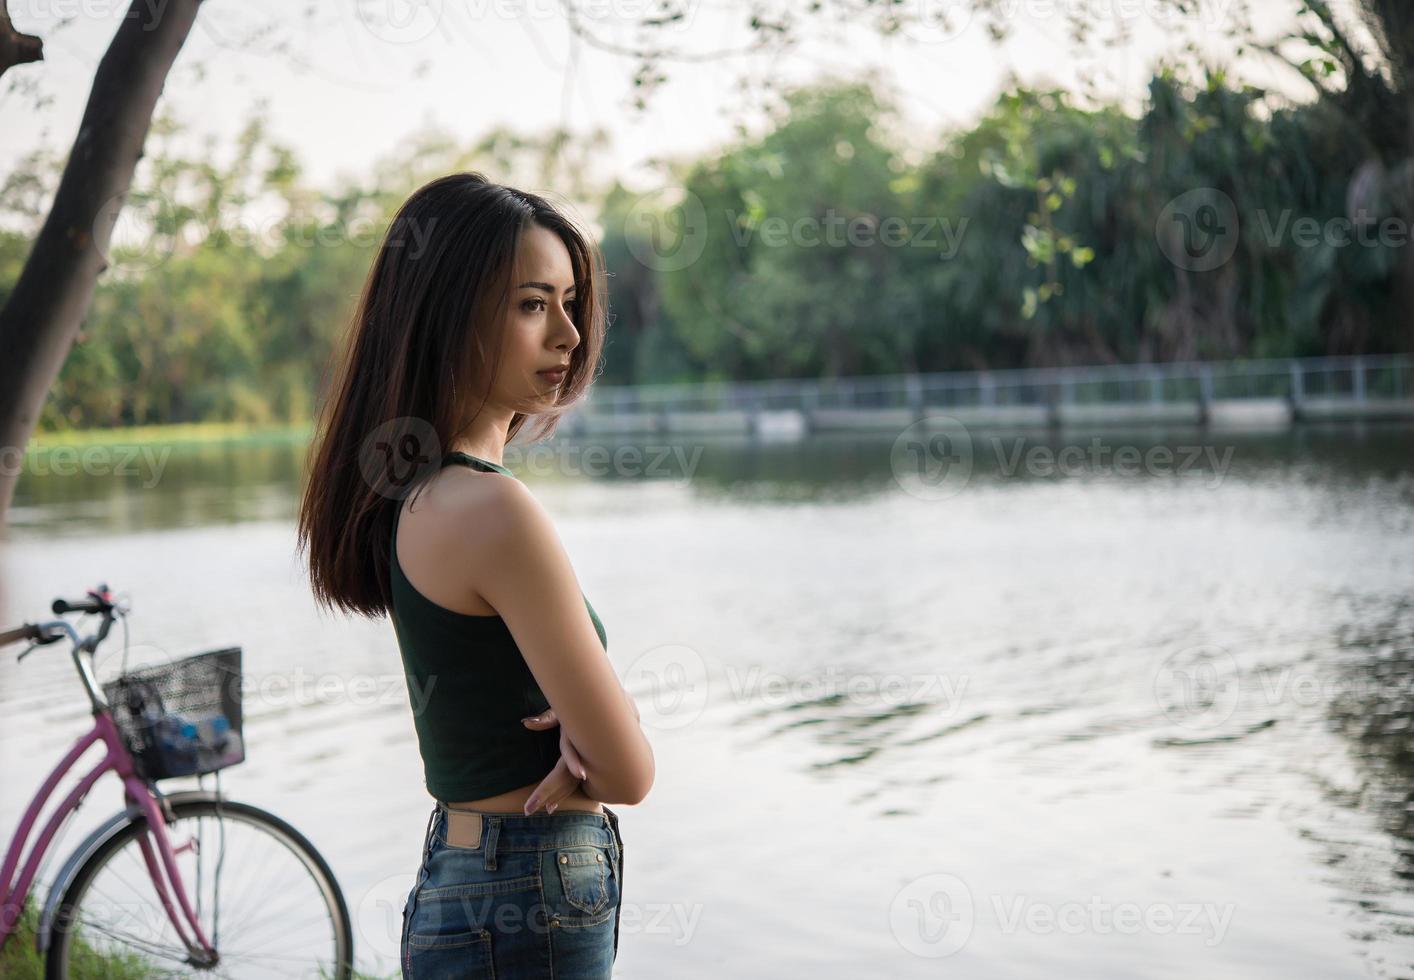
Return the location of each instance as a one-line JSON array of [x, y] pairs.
[[1355, 378]]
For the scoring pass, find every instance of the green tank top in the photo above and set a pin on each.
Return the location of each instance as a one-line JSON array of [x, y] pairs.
[[469, 687]]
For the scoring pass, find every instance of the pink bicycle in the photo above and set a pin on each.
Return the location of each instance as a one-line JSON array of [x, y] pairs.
[[177, 883]]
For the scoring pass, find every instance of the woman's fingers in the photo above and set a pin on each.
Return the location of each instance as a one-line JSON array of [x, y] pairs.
[[552, 789], [571, 757], [565, 777]]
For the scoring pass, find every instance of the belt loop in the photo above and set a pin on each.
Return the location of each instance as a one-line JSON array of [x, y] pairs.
[[492, 832], [427, 834]]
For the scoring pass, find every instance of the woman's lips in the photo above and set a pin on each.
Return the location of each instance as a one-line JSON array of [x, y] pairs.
[[555, 376]]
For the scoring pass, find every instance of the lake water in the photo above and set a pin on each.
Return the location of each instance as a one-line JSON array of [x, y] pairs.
[[1080, 719]]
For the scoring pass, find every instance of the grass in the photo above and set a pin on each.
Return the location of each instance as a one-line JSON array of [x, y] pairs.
[[194, 432], [19, 960]]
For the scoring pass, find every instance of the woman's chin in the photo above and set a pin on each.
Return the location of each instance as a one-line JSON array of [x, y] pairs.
[[538, 402]]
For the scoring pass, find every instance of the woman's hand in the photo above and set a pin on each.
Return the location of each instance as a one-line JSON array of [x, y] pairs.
[[565, 778]]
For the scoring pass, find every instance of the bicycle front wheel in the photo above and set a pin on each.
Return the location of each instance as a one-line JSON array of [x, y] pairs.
[[265, 898]]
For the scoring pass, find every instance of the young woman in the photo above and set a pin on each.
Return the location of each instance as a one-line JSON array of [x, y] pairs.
[[484, 309]]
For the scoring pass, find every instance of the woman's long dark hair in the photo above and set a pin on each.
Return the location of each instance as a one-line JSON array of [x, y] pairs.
[[423, 348]]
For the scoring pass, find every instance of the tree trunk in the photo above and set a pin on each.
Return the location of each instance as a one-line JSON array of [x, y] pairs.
[[44, 312]]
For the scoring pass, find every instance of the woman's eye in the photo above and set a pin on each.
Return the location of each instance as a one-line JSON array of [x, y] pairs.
[[530, 305]]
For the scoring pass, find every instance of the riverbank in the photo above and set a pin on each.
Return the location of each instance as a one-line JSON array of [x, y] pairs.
[[171, 435]]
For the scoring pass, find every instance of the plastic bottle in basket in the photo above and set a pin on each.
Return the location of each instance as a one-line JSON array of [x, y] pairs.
[[215, 730], [220, 746], [177, 743]]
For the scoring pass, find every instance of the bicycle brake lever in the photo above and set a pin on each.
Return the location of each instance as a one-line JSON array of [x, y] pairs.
[[42, 641]]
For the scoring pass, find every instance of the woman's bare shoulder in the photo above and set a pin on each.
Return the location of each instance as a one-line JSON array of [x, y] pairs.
[[451, 529]]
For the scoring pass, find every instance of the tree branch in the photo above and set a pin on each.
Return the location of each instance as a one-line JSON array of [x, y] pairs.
[[16, 48]]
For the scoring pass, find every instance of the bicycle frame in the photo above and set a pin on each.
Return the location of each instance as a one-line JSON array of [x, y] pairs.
[[137, 793]]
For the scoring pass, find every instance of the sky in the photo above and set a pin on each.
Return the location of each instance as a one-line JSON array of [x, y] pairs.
[[357, 77]]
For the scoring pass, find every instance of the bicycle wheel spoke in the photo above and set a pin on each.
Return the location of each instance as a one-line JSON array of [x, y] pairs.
[[91, 921], [286, 914], [148, 948], [272, 959], [235, 898], [261, 896]]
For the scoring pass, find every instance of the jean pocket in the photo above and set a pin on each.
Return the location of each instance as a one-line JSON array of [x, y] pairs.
[[586, 877], [451, 956]]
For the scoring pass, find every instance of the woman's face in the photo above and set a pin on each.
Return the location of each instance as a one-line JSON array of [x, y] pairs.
[[539, 330]]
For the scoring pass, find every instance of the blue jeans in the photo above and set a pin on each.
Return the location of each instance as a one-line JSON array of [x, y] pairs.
[[539, 897]]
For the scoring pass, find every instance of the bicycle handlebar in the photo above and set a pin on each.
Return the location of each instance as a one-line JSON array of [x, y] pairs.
[[98, 600], [39, 634], [62, 606], [26, 632]]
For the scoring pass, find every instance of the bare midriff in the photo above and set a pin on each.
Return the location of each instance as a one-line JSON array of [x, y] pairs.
[[513, 801]]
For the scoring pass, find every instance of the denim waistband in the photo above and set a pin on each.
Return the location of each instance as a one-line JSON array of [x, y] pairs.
[[536, 831]]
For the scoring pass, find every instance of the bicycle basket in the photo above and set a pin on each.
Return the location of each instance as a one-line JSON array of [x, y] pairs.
[[181, 718]]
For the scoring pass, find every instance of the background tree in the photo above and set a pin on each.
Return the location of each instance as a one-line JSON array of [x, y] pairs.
[[44, 310], [1360, 68]]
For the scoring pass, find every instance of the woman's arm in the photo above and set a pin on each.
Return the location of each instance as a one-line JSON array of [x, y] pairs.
[[569, 773], [533, 587]]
